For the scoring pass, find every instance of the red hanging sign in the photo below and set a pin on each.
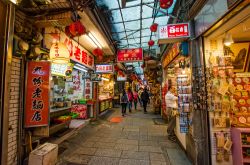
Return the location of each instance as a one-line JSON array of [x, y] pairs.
[[174, 31], [130, 55], [37, 94]]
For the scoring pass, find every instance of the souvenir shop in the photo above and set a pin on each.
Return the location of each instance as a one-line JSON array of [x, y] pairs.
[[227, 60], [105, 78], [177, 73]]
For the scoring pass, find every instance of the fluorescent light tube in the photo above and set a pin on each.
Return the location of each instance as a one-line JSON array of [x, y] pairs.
[[90, 35], [81, 69], [105, 79]]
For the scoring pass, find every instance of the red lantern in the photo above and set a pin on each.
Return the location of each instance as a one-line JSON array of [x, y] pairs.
[[116, 68], [151, 43], [120, 72], [153, 28], [100, 58], [77, 29], [165, 4], [98, 52]]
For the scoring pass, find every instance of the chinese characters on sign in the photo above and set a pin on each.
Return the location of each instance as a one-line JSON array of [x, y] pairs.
[[107, 68], [171, 55], [130, 55], [174, 31], [77, 52], [88, 87], [37, 95]]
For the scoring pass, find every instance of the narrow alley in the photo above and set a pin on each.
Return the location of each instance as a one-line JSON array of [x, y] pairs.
[[139, 139]]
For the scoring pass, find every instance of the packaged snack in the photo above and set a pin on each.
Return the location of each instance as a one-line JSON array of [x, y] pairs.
[[237, 94], [243, 110], [244, 94], [242, 102], [248, 101], [242, 120], [215, 71], [222, 61], [246, 80], [222, 72], [238, 80], [230, 71], [239, 87]]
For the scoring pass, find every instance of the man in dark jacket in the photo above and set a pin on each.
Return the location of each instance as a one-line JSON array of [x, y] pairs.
[[145, 99]]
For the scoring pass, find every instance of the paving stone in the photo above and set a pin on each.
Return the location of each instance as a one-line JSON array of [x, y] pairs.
[[135, 155], [104, 145], [88, 144], [93, 139], [126, 147], [85, 151], [133, 162], [127, 141], [79, 159], [169, 144], [150, 149], [108, 153], [161, 163], [96, 160], [157, 157], [110, 140], [148, 143]]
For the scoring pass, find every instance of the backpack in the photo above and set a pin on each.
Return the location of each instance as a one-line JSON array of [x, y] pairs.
[[123, 99]]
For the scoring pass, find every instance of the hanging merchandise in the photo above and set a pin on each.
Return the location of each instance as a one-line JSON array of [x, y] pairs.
[[59, 53], [153, 27], [151, 43], [165, 4]]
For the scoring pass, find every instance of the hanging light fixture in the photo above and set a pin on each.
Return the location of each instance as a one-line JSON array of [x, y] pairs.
[[165, 4], [151, 43], [228, 39], [153, 27], [59, 53]]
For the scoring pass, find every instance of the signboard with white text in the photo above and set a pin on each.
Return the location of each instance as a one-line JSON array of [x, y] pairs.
[[181, 30], [104, 68]]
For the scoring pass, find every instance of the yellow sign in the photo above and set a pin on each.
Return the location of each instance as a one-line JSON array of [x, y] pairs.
[[170, 56]]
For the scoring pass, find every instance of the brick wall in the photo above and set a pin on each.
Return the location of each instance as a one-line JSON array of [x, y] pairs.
[[14, 108]]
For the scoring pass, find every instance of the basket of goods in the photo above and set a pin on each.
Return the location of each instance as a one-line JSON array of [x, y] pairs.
[[62, 119]]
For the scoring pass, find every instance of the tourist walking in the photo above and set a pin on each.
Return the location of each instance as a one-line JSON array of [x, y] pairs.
[[124, 102], [135, 97], [145, 99], [130, 99], [139, 96]]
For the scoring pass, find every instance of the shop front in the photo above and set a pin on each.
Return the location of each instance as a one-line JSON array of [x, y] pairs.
[[177, 74], [59, 92], [105, 78], [226, 51]]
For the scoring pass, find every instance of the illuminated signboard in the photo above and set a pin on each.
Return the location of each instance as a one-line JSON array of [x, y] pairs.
[[59, 69], [104, 68], [169, 31], [130, 55]]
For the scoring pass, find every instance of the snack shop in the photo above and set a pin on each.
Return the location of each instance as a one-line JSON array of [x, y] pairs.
[[104, 75], [177, 73], [227, 61], [59, 90]]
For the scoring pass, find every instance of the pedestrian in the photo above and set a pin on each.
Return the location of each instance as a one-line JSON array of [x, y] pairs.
[[124, 101], [171, 103], [139, 96], [130, 99], [135, 97], [145, 99]]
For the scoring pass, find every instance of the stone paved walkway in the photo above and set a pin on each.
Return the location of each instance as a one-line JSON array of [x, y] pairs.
[[137, 140]]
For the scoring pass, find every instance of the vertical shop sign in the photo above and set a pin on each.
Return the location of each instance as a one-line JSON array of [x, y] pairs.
[[37, 94], [170, 56]]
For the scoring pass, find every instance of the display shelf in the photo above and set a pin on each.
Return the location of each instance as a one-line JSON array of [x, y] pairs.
[[246, 146], [55, 128], [59, 109], [237, 148], [246, 160]]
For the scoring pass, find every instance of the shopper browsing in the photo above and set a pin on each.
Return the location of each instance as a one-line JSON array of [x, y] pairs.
[[130, 99], [171, 103], [135, 97], [124, 101], [145, 99]]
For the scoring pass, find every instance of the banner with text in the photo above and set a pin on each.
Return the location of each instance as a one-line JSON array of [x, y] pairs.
[[77, 52], [37, 94], [170, 31], [130, 55]]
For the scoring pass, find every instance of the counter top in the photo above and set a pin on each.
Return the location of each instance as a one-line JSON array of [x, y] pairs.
[[59, 109], [105, 99]]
